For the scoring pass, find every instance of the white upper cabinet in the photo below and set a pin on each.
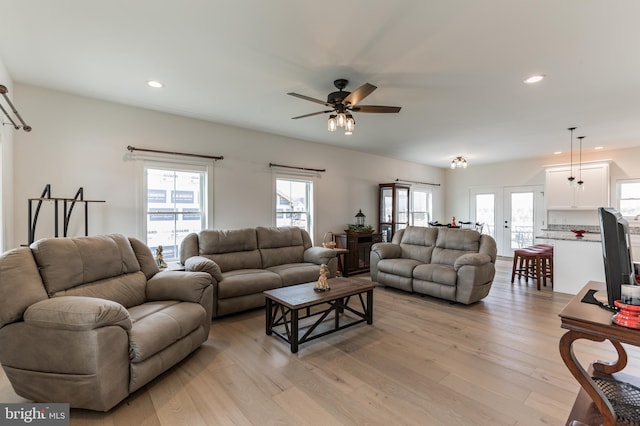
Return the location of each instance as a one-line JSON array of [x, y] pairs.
[[559, 195]]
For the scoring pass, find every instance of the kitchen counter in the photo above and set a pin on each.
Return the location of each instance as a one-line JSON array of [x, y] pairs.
[[576, 260], [591, 237]]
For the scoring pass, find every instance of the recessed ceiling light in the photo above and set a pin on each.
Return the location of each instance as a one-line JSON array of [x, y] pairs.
[[155, 84], [558, 152], [534, 79], [599, 147]]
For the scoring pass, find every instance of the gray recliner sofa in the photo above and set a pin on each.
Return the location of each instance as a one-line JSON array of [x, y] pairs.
[[448, 263], [89, 320], [245, 262]]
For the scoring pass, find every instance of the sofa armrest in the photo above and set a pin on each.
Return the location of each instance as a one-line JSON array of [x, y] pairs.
[[203, 264], [472, 259], [387, 250], [381, 251], [77, 313], [319, 255], [178, 285]]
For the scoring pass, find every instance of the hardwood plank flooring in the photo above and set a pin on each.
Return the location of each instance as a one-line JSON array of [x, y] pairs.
[[424, 361]]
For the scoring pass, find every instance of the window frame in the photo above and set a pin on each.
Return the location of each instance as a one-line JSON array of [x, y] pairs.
[[310, 179], [152, 162], [619, 198], [412, 211]]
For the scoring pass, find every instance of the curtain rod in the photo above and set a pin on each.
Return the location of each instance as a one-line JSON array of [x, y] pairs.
[[133, 148], [297, 168], [25, 126], [420, 183]]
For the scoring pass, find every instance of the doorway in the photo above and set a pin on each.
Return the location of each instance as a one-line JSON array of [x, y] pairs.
[[513, 216]]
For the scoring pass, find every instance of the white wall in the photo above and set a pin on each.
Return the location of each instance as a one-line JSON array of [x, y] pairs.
[[625, 164], [81, 142], [6, 175]]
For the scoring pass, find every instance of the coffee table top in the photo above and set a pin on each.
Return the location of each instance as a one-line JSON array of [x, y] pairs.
[[303, 295]]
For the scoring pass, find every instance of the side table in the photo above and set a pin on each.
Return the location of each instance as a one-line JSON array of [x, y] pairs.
[[591, 322], [340, 254]]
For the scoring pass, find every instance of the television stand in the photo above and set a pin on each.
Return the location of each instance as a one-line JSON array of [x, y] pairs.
[[591, 322]]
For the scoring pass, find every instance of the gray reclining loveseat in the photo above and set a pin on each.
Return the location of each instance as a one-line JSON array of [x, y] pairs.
[[449, 263], [245, 262]]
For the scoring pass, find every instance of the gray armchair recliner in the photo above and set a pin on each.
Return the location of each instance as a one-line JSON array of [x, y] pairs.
[[89, 320]]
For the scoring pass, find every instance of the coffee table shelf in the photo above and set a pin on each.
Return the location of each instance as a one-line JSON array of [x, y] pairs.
[[287, 306]]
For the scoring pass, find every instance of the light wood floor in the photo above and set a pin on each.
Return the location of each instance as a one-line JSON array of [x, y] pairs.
[[422, 362]]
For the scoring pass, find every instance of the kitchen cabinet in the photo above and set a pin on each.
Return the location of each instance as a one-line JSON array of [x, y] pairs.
[[559, 195]]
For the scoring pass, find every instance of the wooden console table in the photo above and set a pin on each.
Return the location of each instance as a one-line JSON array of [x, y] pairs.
[[356, 260], [591, 322]]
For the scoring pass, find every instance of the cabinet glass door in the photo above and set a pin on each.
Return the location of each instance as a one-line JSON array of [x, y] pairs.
[[402, 208]]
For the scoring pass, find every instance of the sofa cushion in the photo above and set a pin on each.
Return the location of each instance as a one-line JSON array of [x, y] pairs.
[[280, 245], [297, 273], [286, 236], [459, 239], [157, 325], [418, 243], [227, 241], [236, 260], [127, 290], [453, 243], [18, 270], [247, 281], [440, 274], [401, 267], [68, 262], [147, 262], [283, 255]]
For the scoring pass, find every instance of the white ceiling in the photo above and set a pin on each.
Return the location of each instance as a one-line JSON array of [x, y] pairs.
[[456, 67]]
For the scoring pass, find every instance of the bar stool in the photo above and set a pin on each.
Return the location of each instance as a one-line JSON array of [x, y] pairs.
[[535, 262]]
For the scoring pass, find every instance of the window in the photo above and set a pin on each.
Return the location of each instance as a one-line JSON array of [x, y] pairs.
[[294, 203], [175, 205], [629, 198], [421, 212]]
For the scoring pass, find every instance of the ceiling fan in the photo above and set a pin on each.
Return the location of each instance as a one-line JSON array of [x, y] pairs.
[[342, 103]]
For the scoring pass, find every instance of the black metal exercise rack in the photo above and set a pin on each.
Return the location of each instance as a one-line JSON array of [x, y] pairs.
[[68, 205]]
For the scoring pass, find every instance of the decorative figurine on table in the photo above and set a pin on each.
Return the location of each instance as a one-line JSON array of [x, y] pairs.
[[453, 222], [159, 259], [323, 283]]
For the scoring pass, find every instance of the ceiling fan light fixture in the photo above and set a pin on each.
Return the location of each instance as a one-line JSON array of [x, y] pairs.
[[350, 124], [342, 119], [332, 126]]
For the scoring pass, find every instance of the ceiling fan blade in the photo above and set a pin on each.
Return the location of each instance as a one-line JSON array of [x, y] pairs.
[[376, 108], [359, 94], [312, 114], [308, 98]]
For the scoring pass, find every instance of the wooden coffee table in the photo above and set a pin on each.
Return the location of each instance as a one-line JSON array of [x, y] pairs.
[[286, 306]]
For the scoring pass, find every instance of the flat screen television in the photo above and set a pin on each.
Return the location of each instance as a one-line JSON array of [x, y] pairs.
[[616, 252]]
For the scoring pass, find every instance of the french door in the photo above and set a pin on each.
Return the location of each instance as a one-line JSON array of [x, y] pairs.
[[513, 216]]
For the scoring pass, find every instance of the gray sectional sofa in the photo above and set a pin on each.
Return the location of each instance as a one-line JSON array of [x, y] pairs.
[[89, 320], [245, 262], [448, 263]]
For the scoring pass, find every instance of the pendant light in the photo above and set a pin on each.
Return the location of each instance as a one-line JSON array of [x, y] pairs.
[[571, 177], [580, 181]]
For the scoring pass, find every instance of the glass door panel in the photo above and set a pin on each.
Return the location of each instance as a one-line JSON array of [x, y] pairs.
[[402, 208], [522, 223], [486, 213]]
